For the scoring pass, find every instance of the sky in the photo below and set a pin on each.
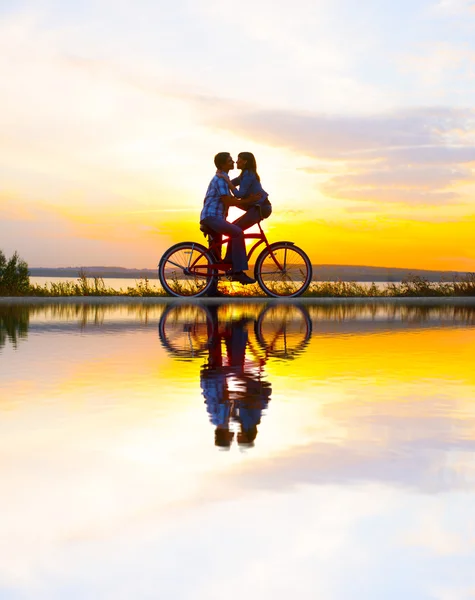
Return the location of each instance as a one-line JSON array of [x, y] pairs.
[[360, 116]]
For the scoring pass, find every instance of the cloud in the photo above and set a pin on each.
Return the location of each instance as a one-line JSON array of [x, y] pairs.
[[431, 155], [405, 177], [454, 7], [345, 137], [401, 184], [396, 196], [410, 157], [438, 63]]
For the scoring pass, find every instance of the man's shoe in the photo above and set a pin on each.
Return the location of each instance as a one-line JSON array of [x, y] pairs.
[[243, 278]]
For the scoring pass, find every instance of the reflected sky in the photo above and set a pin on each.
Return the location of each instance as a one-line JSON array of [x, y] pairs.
[[208, 451]]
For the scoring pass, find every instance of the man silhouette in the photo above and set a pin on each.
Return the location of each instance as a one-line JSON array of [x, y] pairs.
[[213, 218]]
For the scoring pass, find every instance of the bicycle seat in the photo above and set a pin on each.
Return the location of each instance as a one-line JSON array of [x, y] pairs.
[[206, 230]]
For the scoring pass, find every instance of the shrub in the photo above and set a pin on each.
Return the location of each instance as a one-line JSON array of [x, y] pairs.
[[14, 276]]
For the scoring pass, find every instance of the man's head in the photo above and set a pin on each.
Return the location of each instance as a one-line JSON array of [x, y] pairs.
[[223, 161]]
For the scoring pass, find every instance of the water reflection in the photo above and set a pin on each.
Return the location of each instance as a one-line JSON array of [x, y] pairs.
[[363, 422], [14, 322], [367, 316], [237, 347]]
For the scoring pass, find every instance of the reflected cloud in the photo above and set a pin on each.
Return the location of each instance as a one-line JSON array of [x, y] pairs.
[[434, 464]]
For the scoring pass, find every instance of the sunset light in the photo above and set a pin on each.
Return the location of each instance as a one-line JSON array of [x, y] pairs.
[[360, 117]]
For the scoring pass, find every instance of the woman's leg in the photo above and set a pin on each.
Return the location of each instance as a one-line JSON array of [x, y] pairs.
[[249, 218]]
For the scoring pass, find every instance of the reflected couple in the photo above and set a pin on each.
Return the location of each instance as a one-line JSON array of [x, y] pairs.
[[232, 384], [236, 341]]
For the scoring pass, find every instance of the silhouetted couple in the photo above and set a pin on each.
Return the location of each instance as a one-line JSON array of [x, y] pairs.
[[245, 192]]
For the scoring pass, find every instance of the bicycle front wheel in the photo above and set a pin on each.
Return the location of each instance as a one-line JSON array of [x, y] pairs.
[[184, 270], [283, 270], [283, 330]]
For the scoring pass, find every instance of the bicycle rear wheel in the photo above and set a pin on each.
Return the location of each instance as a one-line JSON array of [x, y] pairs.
[[184, 270], [283, 270]]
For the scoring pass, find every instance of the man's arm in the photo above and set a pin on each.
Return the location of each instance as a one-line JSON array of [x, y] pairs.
[[231, 201], [240, 202], [226, 197]]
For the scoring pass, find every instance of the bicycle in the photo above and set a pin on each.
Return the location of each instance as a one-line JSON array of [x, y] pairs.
[[189, 269]]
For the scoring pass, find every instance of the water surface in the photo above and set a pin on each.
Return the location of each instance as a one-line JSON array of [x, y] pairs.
[[201, 452]]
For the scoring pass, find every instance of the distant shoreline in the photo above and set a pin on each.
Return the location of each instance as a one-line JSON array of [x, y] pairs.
[[330, 273]]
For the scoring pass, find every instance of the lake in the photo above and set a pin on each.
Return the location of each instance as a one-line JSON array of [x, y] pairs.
[[208, 451]]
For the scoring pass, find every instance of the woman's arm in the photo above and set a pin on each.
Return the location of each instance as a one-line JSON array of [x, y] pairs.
[[235, 199], [244, 181]]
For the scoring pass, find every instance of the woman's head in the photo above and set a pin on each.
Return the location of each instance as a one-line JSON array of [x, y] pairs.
[[247, 162]]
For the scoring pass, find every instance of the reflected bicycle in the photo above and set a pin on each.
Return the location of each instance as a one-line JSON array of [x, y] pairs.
[[282, 332]]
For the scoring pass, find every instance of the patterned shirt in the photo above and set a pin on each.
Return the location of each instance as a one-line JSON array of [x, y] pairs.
[[212, 205]]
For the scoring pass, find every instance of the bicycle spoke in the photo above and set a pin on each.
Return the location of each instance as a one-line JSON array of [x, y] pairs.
[[175, 264], [271, 272]]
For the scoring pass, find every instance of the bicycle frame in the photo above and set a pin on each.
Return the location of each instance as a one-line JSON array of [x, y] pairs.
[[222, 266]]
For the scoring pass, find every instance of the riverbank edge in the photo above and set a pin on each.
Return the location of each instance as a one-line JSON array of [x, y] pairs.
[[157, 300]]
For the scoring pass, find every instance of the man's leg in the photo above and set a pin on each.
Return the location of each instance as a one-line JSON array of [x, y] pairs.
[[215, 238], [238, 249]]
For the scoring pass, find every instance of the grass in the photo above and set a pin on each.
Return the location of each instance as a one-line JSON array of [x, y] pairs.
[[409, 288], [93, 286], [415, 286]]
